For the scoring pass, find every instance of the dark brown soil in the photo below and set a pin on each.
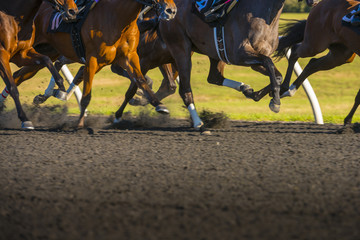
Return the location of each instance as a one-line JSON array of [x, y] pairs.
[[248, 180]]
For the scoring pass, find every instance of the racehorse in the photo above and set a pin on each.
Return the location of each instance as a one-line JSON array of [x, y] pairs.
[[322, 30], [110, 36], [251, 36], [16, 40]]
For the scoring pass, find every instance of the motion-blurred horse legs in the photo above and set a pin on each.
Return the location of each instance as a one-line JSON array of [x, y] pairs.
[[5, 72], [338, 55]]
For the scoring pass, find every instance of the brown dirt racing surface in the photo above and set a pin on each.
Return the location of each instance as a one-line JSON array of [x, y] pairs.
[[249, 180]]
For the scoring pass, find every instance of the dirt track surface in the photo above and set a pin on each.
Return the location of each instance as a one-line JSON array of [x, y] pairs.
[[246, 181]]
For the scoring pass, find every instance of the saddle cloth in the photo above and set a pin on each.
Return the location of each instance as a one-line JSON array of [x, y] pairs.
[[57, 24], [213, 10]]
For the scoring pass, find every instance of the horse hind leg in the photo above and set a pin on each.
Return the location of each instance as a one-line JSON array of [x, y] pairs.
[[168, 85], [34, 58], [5, 72], [216, 77], [348, 119], [338, 55]]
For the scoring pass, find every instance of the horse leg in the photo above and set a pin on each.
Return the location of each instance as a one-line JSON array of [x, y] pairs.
[[184, 65], [349, 117], [5, 72], [140, 99], [168, 85], [128, 95], [337, 56], [216, 76], [291, 64], [92, 67], [132, 65], [31, 57]]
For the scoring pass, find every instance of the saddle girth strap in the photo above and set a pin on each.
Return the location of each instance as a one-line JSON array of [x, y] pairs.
[[220, 43]]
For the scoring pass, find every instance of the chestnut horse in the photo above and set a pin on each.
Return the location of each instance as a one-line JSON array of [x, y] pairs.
[[251, 36], [322, 30], [110, 36], [16, 40]]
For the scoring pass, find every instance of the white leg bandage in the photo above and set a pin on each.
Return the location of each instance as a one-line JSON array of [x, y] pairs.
[[50, 89], [4, 94], [232, 84], [194, 116]]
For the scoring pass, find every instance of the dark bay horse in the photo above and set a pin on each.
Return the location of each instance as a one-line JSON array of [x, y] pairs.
[[321, 31], [250, 34], [16, 39], [110, 36]]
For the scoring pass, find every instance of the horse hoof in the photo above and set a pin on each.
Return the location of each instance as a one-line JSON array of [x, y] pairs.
[[27, 125], [117, 120], [60, 94], [138, 101], [274, 107], [39, 99], [162, 109], [204, 131]]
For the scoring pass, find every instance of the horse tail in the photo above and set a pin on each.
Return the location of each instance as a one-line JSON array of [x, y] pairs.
[[291, 34]]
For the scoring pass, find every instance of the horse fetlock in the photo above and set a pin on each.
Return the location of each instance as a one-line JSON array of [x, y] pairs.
[[247, 91], [27, 125]]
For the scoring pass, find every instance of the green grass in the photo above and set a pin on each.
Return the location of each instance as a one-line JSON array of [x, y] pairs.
[[335, 90]]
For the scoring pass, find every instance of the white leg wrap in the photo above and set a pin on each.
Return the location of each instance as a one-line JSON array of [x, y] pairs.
[[232, 84], [194, 116], [70, 90], [4, 95], [50, 89], [291, 92]]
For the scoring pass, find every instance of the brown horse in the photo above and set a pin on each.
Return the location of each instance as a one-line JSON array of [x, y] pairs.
[[16, 40], [110, 36], [251, 36], [322, 30]]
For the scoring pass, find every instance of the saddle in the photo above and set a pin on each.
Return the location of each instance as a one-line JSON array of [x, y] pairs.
[[212, 11], [57, 24]]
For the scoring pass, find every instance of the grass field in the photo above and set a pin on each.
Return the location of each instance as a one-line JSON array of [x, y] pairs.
[[335, 90]]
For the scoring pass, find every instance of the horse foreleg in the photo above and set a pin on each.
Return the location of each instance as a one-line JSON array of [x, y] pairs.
[[291, 64], [275, 81], [349, 117], [132, 66], [5, 72], [92, 68], [258, 95], [128, 95]]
